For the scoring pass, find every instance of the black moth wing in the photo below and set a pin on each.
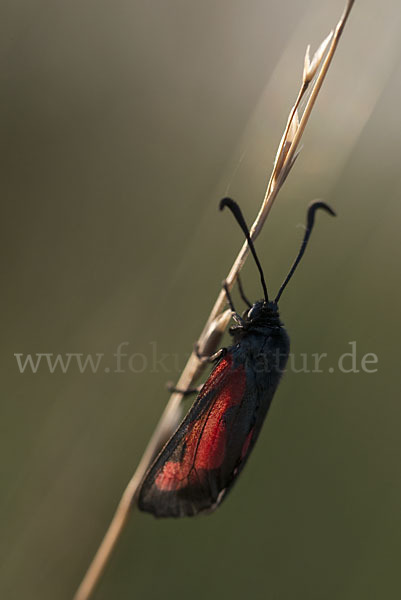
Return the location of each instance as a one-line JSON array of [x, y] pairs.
[[198, 466], [174, 485]]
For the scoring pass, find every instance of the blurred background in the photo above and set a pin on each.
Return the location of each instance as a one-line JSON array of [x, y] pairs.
[[123, 124]]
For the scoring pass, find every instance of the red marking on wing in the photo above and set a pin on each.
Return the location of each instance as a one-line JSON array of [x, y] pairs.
[[170, 477], [205, 440], [245, 447]]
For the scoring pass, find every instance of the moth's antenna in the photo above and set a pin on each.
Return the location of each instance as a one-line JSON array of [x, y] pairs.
[[235, 209], [310, 220]]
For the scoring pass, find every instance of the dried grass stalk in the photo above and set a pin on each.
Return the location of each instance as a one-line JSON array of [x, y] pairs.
[[314, 73]]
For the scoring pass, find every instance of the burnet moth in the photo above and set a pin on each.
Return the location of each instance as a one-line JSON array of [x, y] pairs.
[[200, 463]]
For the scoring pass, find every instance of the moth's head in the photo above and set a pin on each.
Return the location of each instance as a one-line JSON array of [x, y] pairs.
[[263, 313]]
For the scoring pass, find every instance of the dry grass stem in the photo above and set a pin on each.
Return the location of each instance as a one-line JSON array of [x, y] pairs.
[[217, 321]]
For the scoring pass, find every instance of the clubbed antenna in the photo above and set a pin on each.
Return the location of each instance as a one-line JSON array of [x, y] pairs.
[[310, 220], [235, 209]]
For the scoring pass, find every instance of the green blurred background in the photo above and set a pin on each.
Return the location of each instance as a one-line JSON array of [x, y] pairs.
[[123, 123]]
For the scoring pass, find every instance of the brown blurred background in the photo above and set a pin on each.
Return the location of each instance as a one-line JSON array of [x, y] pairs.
[[123, 123]]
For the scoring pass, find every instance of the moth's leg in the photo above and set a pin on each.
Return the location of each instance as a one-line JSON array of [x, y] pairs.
[[174, 390], [237, 318], [242, 293], [228, 296], [209, 358]]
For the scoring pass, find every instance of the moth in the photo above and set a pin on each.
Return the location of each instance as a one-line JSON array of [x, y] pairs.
[[200, 463]]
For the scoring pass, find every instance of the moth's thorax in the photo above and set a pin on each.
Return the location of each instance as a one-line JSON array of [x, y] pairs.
[[261, 341]]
